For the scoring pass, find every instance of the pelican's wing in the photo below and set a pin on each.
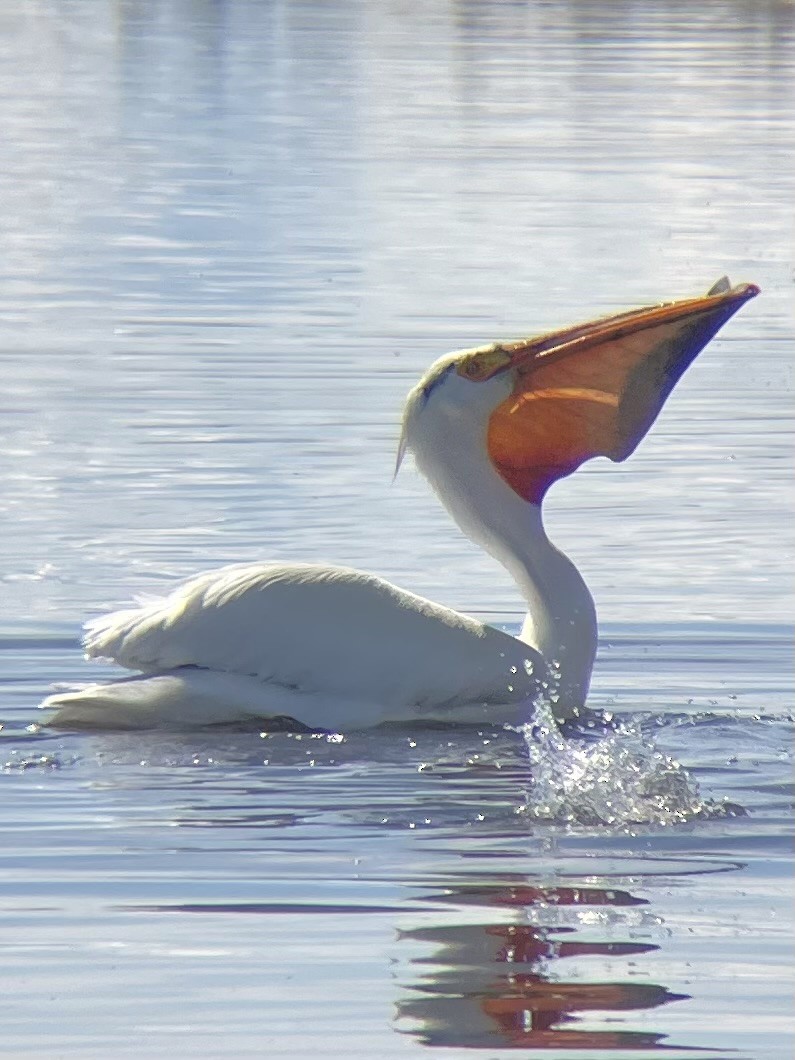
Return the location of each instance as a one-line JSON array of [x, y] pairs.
[[596, 389], [324, 629]]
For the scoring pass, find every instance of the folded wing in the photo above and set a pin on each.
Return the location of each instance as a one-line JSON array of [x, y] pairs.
[[317, 628]]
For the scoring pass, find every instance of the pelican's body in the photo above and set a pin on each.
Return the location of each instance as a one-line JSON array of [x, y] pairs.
[[315, 643], [334, 648]]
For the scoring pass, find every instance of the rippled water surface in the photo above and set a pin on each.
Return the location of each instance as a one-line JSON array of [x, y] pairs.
[[233, 234]]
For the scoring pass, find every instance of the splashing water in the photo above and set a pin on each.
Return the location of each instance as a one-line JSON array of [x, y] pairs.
[[618, 779]]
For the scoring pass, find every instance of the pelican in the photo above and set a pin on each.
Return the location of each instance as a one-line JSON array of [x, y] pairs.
[[304, 645]]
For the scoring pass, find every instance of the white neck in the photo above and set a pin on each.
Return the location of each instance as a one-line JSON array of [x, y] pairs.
[[561, 619]]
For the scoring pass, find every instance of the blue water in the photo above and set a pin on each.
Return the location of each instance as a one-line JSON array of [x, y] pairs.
[[233, 235]]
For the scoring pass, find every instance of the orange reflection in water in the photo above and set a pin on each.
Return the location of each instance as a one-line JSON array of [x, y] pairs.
[[499, 985]]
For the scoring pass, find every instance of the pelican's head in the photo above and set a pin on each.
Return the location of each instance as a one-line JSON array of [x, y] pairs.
[[532, 411]]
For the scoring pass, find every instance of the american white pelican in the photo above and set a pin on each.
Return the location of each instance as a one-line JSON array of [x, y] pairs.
[[332, 648]]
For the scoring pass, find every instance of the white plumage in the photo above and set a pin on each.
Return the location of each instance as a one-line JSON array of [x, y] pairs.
[[334, 648], [331, 646]]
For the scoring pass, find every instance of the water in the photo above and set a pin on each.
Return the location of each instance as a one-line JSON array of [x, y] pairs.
[[233, 235]]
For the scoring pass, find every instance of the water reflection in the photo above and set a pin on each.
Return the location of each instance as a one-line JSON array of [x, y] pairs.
[[501, 984], [422, 875]]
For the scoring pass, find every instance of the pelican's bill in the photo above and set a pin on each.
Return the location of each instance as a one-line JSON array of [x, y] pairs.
[[596, 389]]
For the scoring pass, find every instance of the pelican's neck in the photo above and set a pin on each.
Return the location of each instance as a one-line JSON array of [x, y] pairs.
[[445, 423], [561, 618]]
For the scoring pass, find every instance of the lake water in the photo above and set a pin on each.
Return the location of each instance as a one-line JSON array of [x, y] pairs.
[[233, 234]]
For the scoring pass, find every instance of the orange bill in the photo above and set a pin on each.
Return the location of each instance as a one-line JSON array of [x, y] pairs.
[[596, 389]]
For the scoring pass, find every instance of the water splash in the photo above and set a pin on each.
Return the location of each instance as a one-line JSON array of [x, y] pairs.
[[618, 779], [22, 762]]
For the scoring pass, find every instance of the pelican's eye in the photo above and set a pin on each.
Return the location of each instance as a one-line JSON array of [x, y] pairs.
[[481, 364]]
